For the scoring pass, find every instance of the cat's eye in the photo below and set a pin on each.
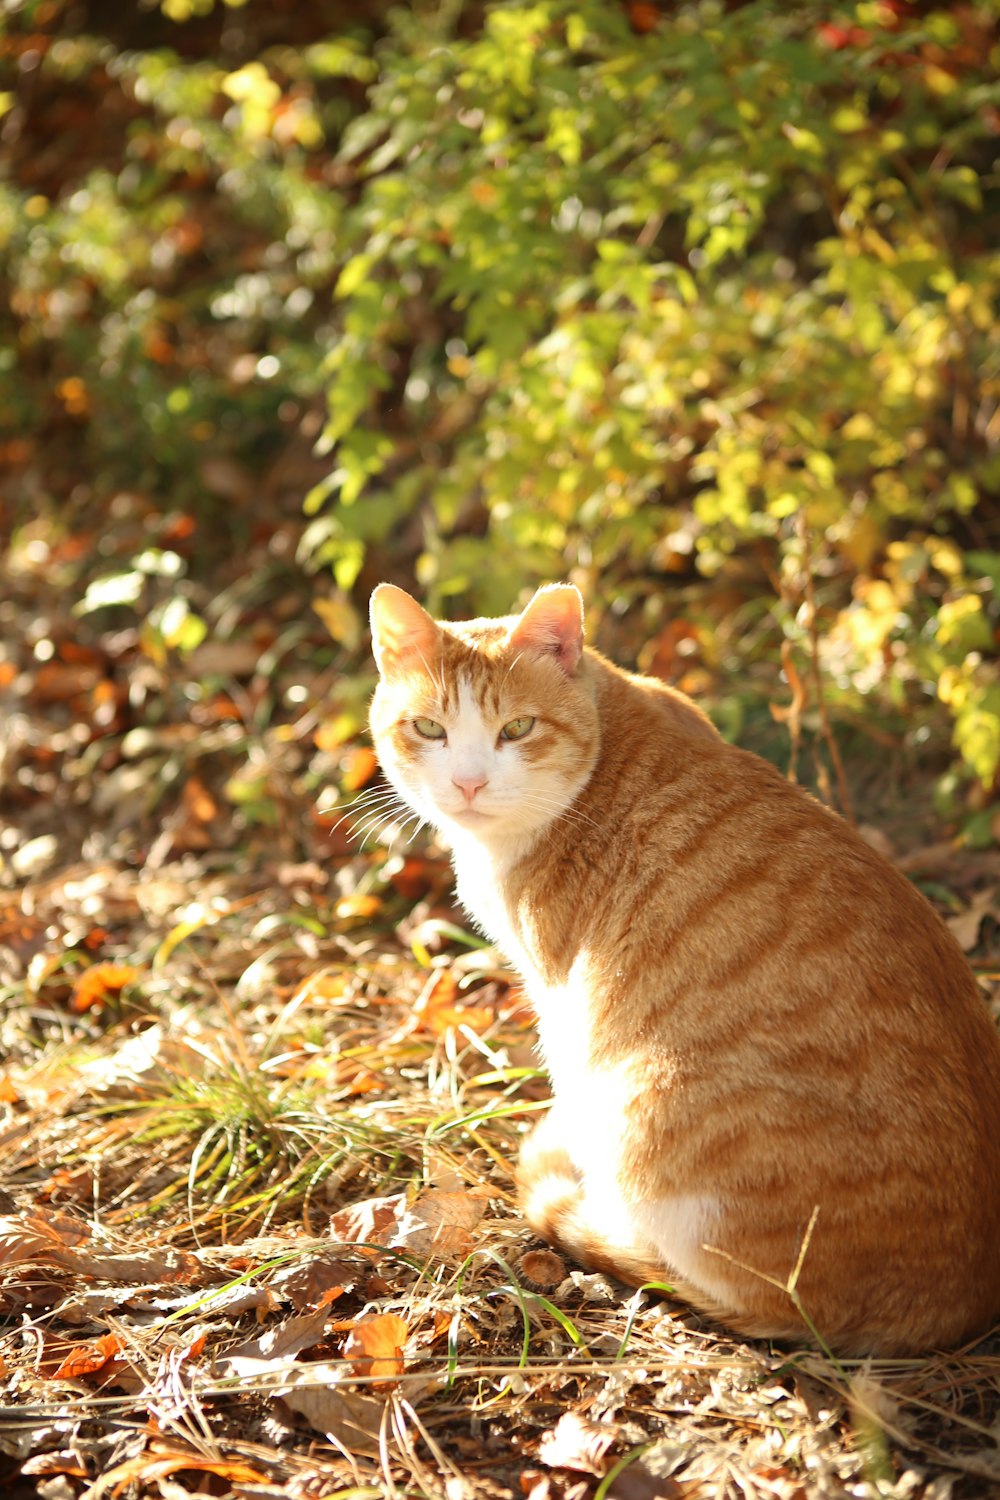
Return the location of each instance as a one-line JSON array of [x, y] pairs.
[[517, 728], [430, 729]]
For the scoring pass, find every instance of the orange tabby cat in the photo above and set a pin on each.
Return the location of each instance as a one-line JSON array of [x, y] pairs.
[[767, 1053]]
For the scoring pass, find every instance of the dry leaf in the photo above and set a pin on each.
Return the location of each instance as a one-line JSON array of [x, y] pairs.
[[375, 1347], [347, 1418], [98, 982], [285, 1341], [441, 1008], [370, 1222], [89, 1358], [360, 765], [153, 1466], [315, 1282], [358, 908], [575, 1443], [340, 618], [39, 1237], [965, 927], [438, 1223], [65, 1462]]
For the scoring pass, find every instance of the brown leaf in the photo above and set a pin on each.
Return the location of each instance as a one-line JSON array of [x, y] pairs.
[[315, 1282], [156, 1465], [360, 765], [57, 1239], [37, 1237], [438, 1223], [358, 908], [347, 1418], [66, 1462], [441, 1008], [416, 876], [285, 1341]]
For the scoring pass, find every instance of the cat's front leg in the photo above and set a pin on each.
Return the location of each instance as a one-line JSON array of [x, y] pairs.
[[554, 1198]]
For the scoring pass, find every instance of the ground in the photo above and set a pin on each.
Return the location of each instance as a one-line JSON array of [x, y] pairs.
[[261, 1093]]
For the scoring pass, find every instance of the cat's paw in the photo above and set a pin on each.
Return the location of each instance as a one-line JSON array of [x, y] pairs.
[[548, 1181]]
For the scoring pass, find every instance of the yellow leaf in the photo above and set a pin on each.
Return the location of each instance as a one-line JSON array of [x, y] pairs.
[[340, 618], [357, 908]]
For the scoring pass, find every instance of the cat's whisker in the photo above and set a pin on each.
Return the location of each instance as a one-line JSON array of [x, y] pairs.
[[376, 825], [536, 802], [368, 802], [372, 810], [513, 664]]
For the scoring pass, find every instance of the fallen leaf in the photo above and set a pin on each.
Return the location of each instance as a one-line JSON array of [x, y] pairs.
[[439, 1223], [358, 908], [316, 1282], [284, 1341], [375, 1346], [441, 1008], [153, 1466], [34, 1237], [350, 1420], [965, 927], [415, 876], [97, 983], [576, 1443], [360, 765], [89, 1358], [65, 1462], [370, 1222]]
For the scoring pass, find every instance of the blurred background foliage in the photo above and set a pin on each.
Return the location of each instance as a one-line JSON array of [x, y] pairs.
[[693, 303]]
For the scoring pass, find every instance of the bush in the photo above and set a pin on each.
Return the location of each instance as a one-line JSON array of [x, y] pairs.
[[649, 296]]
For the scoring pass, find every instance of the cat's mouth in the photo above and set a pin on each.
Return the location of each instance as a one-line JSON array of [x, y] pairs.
[[470, 815]]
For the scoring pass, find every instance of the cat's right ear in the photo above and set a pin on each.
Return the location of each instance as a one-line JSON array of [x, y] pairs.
[[403, 633]]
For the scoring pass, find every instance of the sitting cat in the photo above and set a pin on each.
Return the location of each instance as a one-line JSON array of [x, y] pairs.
[[776, 1085]]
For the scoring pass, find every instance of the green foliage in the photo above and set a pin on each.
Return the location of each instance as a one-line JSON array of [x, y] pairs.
[[631, 296], [579, 290]]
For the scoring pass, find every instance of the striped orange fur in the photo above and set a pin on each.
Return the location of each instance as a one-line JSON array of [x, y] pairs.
[[775, 1082]]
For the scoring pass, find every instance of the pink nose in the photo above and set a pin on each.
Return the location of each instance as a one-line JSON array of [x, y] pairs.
[[469, 785]]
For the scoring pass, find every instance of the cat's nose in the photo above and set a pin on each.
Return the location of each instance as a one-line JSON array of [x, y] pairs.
[[469, 785]]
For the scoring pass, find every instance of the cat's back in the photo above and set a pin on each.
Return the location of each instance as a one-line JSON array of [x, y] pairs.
[[712, 869], [799, 1020], [735, 922]]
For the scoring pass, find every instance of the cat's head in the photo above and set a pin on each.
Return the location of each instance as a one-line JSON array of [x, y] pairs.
[[487, 728]]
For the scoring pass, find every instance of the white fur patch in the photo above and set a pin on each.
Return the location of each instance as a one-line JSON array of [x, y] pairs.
[[679, 1227]]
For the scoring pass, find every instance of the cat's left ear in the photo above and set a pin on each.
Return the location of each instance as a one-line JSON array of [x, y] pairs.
[[402, 630], [552, 625]]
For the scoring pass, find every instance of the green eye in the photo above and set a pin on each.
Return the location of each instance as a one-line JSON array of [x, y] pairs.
[[517, 729], [429, 729]]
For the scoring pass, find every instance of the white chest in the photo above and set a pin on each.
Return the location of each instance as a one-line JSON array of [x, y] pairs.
[[478, 886]]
